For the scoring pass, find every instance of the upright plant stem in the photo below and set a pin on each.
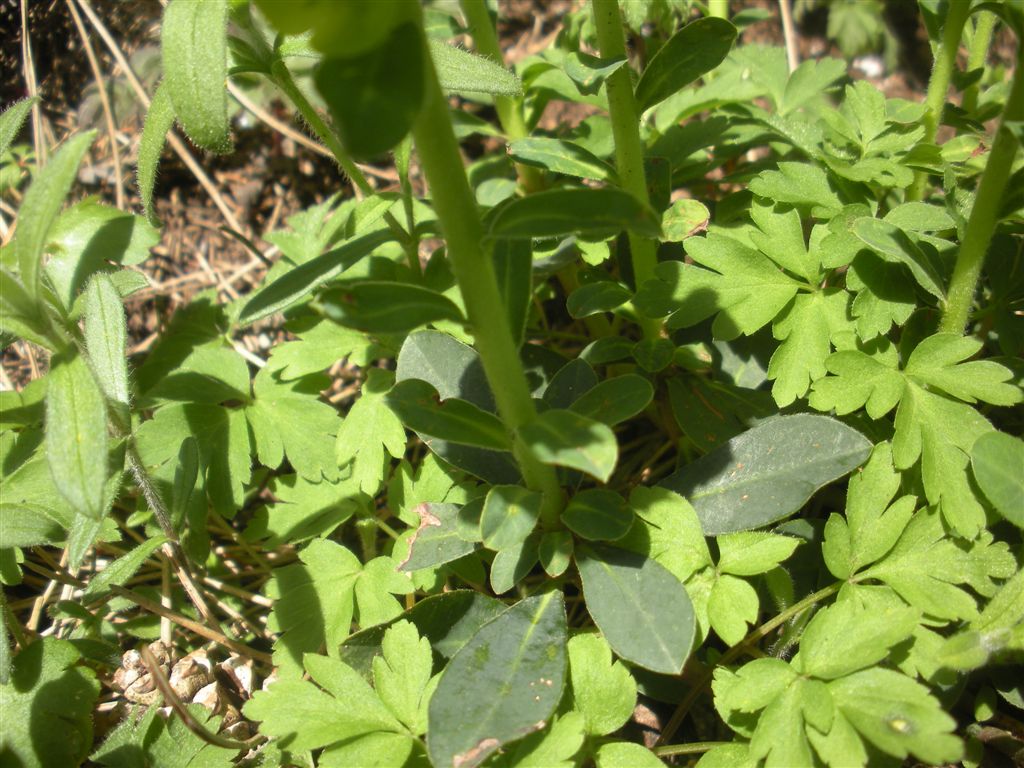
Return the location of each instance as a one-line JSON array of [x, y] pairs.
[[509, 109], [985, 212], [938, 84], [983, 29], [456, 209], [629, 151], [719, 8], [283, 79]]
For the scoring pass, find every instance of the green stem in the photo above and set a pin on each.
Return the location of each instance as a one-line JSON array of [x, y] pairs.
[[719, 8], [509, 109], [980, 41], [282, 78], [938, 84], [456, 209], [693, 748], [629, 150], [985, 211], [755, 636]]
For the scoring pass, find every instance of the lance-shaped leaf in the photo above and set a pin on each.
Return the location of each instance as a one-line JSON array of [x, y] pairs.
[[768, 472], [122, 569], [589, 72], [560, 156], [602, 296], [420, 408], [512, 564], [293, 285], [693, 51], [76, 435], [464, 72], [566, 439], [388, 307], [42, 203], [509, 515], [11, 121], [894, 245], [513, 267], [502, 685], [998, 463], [105, 337], [593, 212], [642, 610], [193, 41], [159, 120]]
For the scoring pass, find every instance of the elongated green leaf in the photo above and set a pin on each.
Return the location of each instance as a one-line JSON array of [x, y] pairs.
[[76, 435], [27, 525], [513, 267], [560, 156], [512, 564], [566, 439], [616, 399], [593, 212], [122, 569], [555, 552], [602, 296], [293, 285], [598, 514], [159, 120], [768, 472], [571, 380], [464, 72], [502, 685], [375, 97], [20, 315], [106, 337], [387, 307], [509, 516], [894, 245], [11, 121], [998, 463], [193, 41], [420, 408], [42, 203], [691, 52], [642, 610], [437, 540]]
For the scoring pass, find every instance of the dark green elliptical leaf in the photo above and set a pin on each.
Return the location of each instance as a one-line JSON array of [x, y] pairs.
[[194, 43], [437, 540], [566, 439], [768, 472], [560, 156], [998, 463], [76, 435], [455, 371], [502, 685], [420, 408], [513, 268], [592, 212], [598, 514], [693, 51], [616, 399], [375, 97], [293, 285], [388, 307], [642, 610]]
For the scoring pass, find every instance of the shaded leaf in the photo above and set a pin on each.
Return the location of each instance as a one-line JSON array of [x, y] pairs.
[[691, 52], [592, 212], [566, 439], [388, 307], [998, 463], [616, 399], [418, 405], [598, 514], [560, 156], [509, 516]]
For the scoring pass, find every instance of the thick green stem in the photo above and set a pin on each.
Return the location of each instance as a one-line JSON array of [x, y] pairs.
[[719, 8], [509, 109], [985, 211], [629, 150], [460, 222], [283, 79], [938, 84], [978, 52]]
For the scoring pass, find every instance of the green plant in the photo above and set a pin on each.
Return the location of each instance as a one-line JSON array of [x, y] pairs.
[[587, 457]]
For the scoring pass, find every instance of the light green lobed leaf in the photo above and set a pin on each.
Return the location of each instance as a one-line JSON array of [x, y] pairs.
[[370, 417]]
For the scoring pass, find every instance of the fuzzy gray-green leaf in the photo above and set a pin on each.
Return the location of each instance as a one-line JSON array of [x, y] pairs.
[[76, 435], [106, 337], [159, 120], [195, 58]]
